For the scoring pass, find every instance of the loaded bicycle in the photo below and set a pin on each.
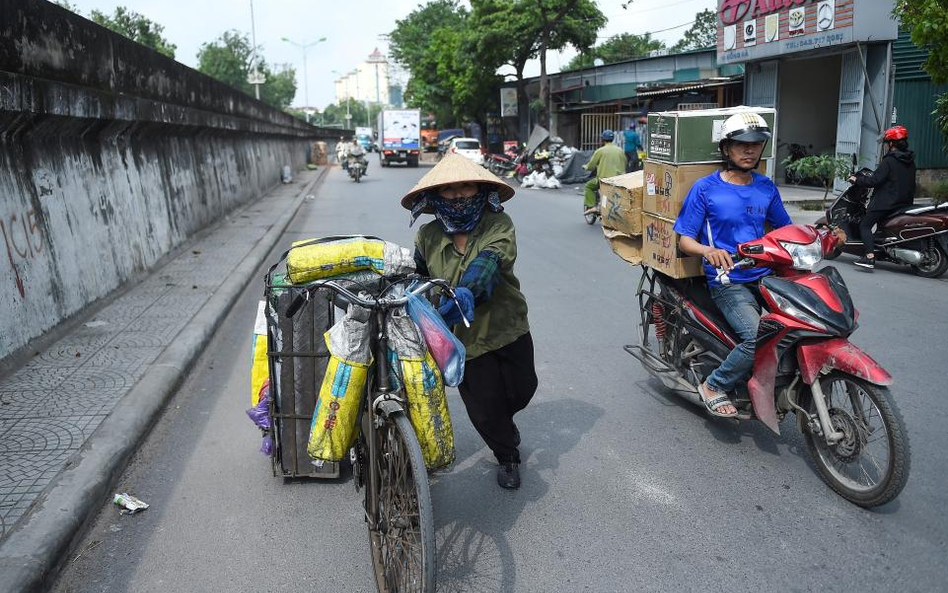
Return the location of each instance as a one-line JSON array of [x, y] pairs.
[[387, 459]]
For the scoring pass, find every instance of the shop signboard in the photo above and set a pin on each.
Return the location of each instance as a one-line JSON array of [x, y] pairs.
[[750, 30]]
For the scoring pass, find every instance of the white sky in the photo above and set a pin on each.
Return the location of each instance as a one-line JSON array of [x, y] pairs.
[[352, 29]]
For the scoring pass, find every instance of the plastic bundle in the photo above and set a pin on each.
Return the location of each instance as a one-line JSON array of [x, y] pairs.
[[308, 261], [446, 349], [415, 369], [259, 413], [334, 420]]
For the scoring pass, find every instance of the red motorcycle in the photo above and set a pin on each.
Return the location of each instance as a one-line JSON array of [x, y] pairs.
[[803, 363]]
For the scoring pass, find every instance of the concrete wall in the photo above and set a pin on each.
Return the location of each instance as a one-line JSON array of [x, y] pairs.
[[112, 155]]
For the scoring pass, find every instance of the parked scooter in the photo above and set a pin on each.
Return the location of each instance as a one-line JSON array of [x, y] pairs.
[[915, 236], [803, 363]]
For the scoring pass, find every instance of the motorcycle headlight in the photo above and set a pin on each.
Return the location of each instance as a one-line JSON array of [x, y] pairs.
[[805, 257], [790, 309]]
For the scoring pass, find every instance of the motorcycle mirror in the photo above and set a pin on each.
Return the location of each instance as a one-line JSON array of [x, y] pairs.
[[752, 249]]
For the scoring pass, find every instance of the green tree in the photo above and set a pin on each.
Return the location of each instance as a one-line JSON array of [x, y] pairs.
[[229, 59], [703, 33], [335, 115], [825, 167], [133, 25], [927, 22], [625, 46]]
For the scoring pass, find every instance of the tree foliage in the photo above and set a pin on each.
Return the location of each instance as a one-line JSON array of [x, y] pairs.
[[133, 25], [927, 22], [229, 59], [625, 46], [335, 115], [702, 34], [824, 167], [438, 45]]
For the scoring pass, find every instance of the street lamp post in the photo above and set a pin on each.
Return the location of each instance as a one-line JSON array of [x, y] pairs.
[[254, 77], [303, 47]]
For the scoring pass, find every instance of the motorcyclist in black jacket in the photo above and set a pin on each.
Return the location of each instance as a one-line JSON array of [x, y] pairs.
[[894, 183]]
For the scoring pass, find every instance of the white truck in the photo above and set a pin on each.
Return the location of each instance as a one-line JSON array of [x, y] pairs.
[[400, 136]]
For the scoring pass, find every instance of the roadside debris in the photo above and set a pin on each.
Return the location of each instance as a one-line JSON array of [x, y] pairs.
[[130, 505]]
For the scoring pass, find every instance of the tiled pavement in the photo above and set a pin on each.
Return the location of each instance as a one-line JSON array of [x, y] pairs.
[[50, 406]]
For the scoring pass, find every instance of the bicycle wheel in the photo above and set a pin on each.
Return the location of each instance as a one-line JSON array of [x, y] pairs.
[[402, 541]]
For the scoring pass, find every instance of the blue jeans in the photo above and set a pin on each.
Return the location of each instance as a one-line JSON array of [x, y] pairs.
[[742, 311]]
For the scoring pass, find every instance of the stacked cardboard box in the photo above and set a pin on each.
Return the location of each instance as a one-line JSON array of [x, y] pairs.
[[620, 203], [682, 148]]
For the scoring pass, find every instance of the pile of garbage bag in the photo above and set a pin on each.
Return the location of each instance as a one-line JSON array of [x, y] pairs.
[[540, 180]]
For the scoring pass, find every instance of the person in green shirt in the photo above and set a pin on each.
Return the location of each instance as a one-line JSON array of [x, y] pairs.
[[608, 161], [472, 244]]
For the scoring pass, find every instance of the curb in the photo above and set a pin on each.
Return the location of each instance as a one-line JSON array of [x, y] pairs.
[[31, 554]]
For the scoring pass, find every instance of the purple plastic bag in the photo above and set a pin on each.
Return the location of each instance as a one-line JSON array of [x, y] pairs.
[[260, 413]]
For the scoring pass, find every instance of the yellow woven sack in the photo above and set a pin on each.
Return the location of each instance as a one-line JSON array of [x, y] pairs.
[[259, 367], [322, 260], [428, 410], [334, 419]]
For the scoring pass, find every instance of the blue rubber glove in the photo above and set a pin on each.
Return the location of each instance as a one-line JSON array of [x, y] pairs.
[[449, 311]]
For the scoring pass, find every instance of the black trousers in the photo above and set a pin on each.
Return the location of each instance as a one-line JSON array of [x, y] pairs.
[[865, 228], [496, 386]]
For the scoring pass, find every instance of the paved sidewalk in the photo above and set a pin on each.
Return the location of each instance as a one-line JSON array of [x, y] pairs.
[[71, 416]]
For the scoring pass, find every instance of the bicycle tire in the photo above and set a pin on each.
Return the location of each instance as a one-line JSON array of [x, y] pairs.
[[404, 508]]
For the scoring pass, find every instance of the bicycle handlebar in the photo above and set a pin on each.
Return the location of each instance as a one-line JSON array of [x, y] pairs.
[[371, 302]]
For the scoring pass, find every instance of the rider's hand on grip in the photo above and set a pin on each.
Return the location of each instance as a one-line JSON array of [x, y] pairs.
[[720, 258], [459, 309]]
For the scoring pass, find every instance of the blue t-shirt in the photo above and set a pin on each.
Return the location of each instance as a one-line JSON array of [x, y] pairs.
[[632, 140], [736, 213]]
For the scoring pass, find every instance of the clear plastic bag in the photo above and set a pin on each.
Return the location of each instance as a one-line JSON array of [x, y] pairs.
[[446, 349]]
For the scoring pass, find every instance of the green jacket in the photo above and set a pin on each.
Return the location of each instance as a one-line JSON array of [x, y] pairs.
[[502, 318], [608, 161]]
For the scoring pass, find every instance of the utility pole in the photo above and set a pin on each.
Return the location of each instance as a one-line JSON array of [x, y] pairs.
[[255, 78], [303, 47]]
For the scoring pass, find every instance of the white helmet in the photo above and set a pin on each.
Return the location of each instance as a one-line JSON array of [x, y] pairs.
[[745, 127]]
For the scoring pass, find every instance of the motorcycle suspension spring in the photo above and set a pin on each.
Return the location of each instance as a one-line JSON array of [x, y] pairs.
[[658, 318]]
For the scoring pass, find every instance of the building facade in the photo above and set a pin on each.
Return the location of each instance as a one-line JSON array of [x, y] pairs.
[[369, 82], [827, 66]]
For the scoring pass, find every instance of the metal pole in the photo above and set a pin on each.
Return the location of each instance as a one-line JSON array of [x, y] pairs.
[[253, 37], [305, 78]]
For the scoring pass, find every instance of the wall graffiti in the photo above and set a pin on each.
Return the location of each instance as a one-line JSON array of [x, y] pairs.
[[23, 240]]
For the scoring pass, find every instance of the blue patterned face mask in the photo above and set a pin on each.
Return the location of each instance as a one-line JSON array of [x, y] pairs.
[[458, 215]]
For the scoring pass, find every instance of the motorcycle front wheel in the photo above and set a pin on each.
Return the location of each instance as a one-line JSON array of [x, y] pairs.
[[870, 464]]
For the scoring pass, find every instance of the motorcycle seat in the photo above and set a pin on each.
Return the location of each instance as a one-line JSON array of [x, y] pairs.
[[919, 210]]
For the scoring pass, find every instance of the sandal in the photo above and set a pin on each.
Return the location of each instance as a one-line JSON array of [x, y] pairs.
[[713, 404]]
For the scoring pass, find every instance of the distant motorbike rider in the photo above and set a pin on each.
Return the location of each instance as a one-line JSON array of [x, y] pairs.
[[633, 144], [608, 161], [357, 153], [894, 183], [722, 210], [342, 150]]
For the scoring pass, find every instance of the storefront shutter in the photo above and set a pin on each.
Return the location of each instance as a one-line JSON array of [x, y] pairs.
[[760, 90], [849, 127]]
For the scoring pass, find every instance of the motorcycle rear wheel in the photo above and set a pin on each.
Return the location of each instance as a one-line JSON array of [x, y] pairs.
[[872, 424], [936, 265]]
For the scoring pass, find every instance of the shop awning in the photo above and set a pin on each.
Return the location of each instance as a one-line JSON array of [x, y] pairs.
[[645, 92]]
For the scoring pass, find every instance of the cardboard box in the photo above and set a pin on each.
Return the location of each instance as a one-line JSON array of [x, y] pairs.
[[620, 202], [666, 185], [625, 246], [685, 137], [660, 249]]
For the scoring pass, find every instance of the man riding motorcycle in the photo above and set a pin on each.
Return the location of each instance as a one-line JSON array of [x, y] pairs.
[[894, 183], [356, 153], [722, 210], [608, 161]]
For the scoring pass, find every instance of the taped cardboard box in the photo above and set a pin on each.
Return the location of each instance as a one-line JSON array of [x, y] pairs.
[[620, 202], [666, 185], [660, 249], [625, 246], [682, 137]]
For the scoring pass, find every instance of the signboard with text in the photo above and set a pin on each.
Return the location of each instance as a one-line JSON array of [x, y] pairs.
[[758, 29]]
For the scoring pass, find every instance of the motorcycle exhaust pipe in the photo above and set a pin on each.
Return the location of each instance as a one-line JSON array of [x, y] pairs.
[[909, 256]]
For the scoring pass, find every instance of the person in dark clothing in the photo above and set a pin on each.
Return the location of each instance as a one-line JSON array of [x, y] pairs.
[[894, 183]]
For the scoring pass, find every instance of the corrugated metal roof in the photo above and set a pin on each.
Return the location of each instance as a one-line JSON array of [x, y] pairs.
[[908, 58]]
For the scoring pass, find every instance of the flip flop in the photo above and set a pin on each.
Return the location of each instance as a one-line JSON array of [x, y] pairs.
[[714, 404]]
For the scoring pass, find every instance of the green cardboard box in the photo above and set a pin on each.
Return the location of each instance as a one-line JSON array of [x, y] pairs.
[[691, 137]]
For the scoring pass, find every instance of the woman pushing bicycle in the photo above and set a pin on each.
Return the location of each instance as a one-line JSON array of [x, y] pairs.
[[472, 244]]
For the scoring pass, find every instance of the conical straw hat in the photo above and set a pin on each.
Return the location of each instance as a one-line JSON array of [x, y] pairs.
[[455, 168]]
